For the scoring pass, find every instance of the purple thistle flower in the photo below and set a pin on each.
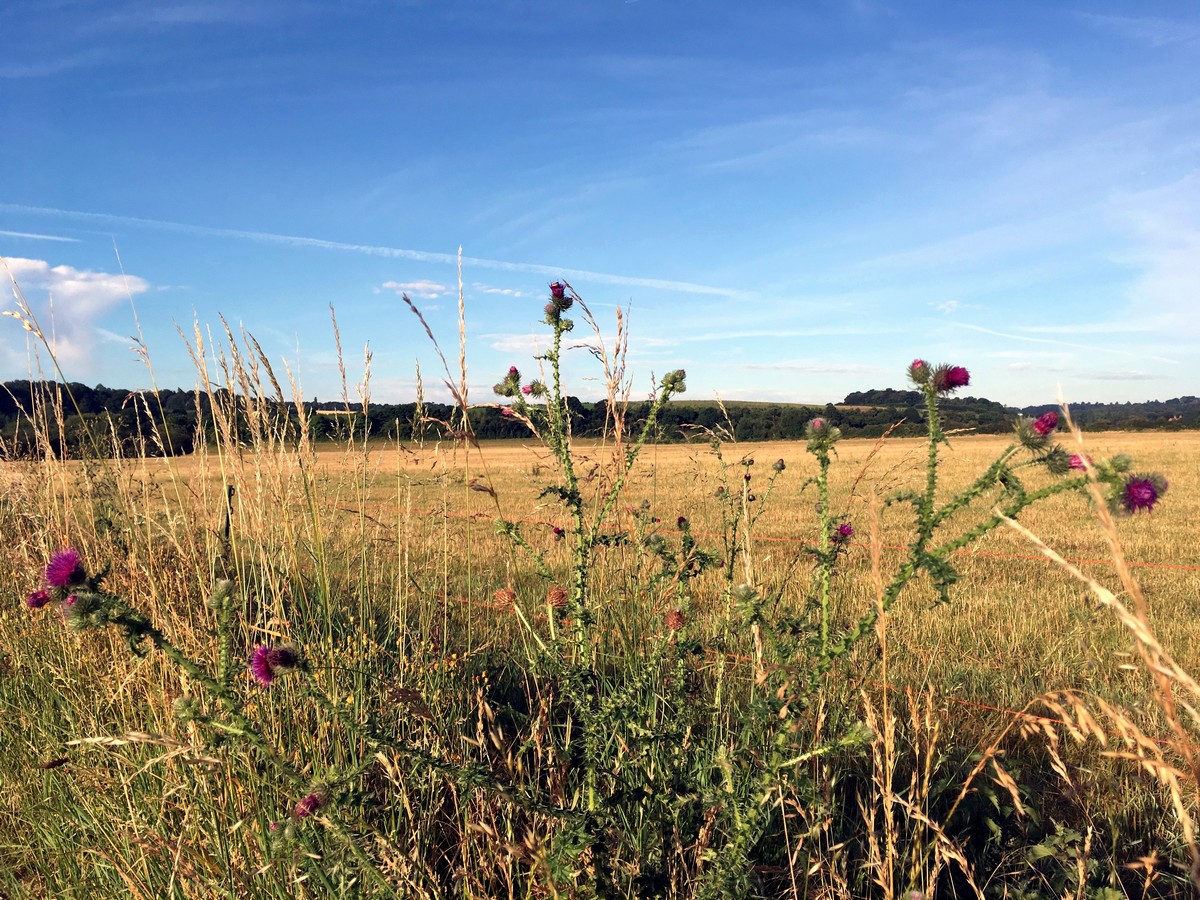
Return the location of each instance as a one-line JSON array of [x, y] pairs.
[[65, 569], [1078, 463], [513, 372], [1045, 423], [505, 411], [267, 662], [957, 377], [950, 378], [557, 290], [37, 599], [260, 665], [918, 371], [527, 389], [308, 805], [842, 534], [1141, 492]]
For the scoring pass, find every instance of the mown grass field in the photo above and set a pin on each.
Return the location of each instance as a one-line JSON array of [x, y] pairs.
[[384, 565]]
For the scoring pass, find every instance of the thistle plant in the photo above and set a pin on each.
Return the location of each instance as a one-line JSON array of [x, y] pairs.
[[620, 774]]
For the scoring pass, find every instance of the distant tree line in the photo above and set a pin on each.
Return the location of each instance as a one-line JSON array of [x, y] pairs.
[[80, 420]]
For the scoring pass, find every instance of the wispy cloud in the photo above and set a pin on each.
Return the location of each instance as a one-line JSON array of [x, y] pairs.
[[1125, 375], [1123, 327], [28, 236], [426, 290], [264, 237], [807, 367], [1091, 348], [506, 292], [1165, 227], [1152, 31]]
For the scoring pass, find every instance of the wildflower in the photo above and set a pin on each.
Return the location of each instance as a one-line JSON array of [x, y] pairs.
[[556, 596], [682, 523], [65, 569], [1079, 462], [37, 599], [513, 372], [821, 434], [918, 371], [779, 465], [843, 533], [674, 619], [1141, 492], [527, 389], [267, 662], [505, 596], [947, 379], [506, 411], [557, 290], [309, 805], [674, 381], [1045, 423]]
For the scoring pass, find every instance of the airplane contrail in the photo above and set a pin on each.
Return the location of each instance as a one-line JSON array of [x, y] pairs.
[[266, 237], [38, 237], [1036, 340]]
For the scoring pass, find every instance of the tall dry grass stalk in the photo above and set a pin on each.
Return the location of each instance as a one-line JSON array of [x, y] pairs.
[[1176, 692]]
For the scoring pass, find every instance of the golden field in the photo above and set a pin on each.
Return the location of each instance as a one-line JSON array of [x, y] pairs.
[[402, 541]]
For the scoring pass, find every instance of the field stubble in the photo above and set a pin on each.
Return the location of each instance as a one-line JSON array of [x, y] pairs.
[[385, 535]]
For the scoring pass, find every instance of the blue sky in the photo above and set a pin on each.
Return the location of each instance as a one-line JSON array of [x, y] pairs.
[[793, 200]]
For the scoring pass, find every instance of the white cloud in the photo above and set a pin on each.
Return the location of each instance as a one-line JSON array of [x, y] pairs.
[[69, 301], [525, 344], [426, 290], [506, 292], [947, 307]]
